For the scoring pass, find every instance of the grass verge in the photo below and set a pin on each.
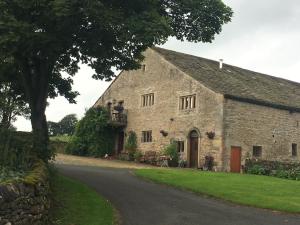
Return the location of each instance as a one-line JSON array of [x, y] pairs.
[[77, 204], [258, 191]]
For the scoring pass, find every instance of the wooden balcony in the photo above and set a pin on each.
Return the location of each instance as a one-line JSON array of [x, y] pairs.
[[118, 119]]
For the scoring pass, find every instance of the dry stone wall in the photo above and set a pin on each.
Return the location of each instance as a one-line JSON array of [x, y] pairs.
[[26, 202]]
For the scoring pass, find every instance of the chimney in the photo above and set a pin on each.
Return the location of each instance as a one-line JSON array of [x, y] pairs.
[[221, 63]]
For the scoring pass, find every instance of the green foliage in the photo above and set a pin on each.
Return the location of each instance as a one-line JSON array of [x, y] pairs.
[[66, 126], [12, 104], [53, 128], [171, 151], [10, 175], [16, 153], [131, 141], [94, 136], [131, 144], [273, 168], [138, 155], [257, 170]]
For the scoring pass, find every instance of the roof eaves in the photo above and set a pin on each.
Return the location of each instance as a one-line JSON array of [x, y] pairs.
[[262, 103]]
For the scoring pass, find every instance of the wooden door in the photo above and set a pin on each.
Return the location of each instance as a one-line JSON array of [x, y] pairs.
[[120, 142], [235, 160], [194, 152]]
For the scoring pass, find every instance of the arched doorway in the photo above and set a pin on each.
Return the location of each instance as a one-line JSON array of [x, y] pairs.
[[194, 141]]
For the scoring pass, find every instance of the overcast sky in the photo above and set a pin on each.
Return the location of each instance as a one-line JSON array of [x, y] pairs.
[[264, 36]]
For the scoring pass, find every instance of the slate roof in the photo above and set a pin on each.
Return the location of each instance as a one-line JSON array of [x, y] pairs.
[[237, 83]]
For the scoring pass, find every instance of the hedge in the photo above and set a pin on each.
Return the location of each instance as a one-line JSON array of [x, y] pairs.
[[16, 152], [287, 170]]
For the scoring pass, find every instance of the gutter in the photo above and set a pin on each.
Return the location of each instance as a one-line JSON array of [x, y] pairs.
[[262, 103]]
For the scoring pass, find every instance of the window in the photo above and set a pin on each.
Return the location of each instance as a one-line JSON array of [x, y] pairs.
[[187, 102], [294, 150], [148, 100], [257, 151], [147, 136], [180, 146]]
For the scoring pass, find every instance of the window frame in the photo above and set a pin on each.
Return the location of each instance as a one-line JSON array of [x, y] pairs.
[[255, 149], [147, 100], [180, 146], [187, 102], [146, 136], [294, 150]]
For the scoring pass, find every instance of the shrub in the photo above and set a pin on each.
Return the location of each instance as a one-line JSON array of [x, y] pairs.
[[137, 156], [131, 144], [94, 135], [16, 152], [171, 151], [257, 170], [58, 146], [282, 174], [284, 170]]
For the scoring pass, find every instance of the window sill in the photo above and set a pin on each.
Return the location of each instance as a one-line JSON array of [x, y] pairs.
[[187, 110]]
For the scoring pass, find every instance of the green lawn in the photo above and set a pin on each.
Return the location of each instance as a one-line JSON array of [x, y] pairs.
[[76, 204], [252, 190]]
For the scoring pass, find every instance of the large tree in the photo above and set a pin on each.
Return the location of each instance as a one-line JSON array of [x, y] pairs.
[[12, 99], [11, 105], [66, 126], [47, 37]]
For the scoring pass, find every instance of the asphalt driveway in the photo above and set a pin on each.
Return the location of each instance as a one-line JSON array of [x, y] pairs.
[[144, 203]]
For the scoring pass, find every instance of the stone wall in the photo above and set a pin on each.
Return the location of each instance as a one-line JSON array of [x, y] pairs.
[[247, 125], [168, 84], [26, 202]]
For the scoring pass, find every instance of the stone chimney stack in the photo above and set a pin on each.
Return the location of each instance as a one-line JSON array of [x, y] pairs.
[[221, 63]]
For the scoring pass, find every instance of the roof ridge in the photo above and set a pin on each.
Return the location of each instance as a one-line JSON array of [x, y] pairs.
[[228, 65]]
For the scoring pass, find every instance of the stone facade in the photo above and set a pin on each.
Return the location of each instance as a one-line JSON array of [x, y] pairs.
[[25, 202], [231, 122], [247, 125]]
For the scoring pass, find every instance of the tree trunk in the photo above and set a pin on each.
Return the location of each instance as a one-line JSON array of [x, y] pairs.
[[36, 75], [40, 133]]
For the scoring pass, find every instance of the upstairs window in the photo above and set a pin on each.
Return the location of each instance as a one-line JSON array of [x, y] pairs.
[[294, 150], [257, 151], [187, 102], [147, 136], [148, 100]]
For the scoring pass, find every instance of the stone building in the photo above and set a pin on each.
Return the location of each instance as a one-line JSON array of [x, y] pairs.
[[208, 108]]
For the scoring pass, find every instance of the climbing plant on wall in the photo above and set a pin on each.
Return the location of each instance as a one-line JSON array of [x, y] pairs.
[[94, 135]]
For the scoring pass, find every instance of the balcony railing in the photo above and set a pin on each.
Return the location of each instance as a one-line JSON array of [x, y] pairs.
[[118, 119]]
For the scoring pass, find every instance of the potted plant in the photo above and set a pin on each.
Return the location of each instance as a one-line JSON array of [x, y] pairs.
[[172, 153]]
